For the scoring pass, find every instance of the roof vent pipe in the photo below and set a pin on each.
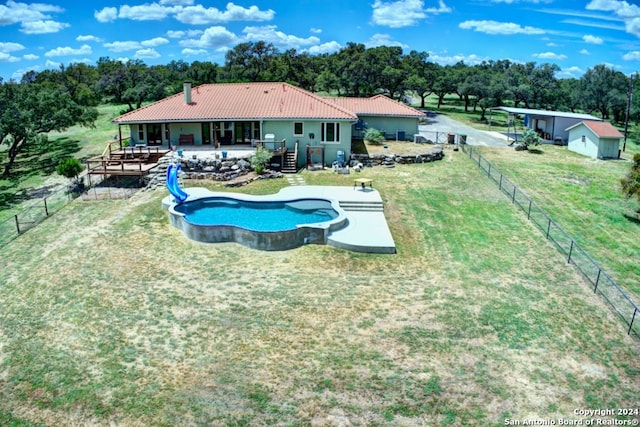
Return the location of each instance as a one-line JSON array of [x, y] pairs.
[[187, 93]]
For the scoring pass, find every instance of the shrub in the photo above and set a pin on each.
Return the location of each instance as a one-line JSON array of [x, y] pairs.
[[631, 182], [529, 138], [260, 160], [373, 136], [69, 167]]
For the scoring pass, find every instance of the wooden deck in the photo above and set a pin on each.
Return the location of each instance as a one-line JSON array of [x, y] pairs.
[[129, 161]]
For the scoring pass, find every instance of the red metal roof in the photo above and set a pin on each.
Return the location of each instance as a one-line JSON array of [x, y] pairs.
[[603, 129], [378, 105], [239, 101]]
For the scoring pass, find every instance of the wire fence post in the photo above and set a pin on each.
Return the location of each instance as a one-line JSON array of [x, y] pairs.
[[489, 171], [595, 289], [570, 251], [513, 198], [46, 208], [548, 227], [500, 185], [529, 211], [632, 319], [17, 223]]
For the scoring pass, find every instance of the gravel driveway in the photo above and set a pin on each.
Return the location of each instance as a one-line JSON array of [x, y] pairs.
[[443, 124]]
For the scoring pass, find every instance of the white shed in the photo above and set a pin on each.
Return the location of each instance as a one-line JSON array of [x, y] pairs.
[[595, 139]]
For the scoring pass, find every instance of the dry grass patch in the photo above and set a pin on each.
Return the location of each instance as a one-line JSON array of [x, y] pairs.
[[110, 315]]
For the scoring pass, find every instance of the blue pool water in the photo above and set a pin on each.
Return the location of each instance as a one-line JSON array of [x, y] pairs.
[[257, 216]]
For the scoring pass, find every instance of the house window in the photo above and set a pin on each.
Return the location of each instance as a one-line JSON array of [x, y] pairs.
[[140, 133], [584, 138], [298, 129], [330, 132]]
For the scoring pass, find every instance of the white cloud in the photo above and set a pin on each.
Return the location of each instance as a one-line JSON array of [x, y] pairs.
[[10, 47], [403, 13], [155, 42], [320, 49], [632, 56], [213, 38], [146, 12], [585, 52], [445, 59], [42, 27], [180, 34], [269, 34], [177, 2], [89, 38], [629, 13], [495, 27], [570, 73], [30, 57], [122, 46], [52, 64], [383, 40], [442, 8], [193, 52], [199, 15], [69, 51], [315, 30], [588, 38], [7, 57], [108, 14], [15, 12], [550, 55], [146, 54]]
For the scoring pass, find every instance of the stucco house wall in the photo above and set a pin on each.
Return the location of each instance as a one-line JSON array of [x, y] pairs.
[[391, 125]]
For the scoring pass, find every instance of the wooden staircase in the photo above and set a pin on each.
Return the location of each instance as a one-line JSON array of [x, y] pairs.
[[290, 161]]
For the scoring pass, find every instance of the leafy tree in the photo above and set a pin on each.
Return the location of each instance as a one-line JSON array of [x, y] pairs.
[[249, 61], [602, 88], [631, 182], [30, 111], [445, 83], [69, 167]]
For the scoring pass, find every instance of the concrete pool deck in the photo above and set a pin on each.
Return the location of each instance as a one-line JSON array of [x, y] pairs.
[[366, 228]]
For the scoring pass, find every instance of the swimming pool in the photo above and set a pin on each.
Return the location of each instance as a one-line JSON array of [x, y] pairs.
[[268, 223], [257, 215]]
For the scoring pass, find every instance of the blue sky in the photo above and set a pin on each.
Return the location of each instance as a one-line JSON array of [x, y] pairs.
[[575, 35]]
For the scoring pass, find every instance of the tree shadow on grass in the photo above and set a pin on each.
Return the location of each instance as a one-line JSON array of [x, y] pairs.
[[535, 151], [34, 163], [633, 219]]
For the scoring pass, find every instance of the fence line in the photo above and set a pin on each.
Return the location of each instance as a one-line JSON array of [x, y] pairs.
[[30, 216], [603, 283]]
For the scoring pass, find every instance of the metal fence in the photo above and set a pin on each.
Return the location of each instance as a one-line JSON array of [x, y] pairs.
[[37, 210], [602, 283], [32, 214]]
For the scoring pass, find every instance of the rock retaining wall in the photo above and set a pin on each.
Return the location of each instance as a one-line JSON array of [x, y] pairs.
[[389, 160], [232, 170], [229, 170]]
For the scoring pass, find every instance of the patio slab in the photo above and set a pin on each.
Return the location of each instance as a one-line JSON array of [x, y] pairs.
[[367, 230]]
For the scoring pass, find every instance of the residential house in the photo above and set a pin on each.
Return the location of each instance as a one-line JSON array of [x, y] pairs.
[[244, 114], [394, 119]]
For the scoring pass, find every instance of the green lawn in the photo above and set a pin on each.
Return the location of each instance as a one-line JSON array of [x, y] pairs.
[[584, 197], [35, 166], [108, 315]]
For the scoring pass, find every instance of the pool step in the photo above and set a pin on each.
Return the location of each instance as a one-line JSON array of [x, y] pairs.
[[362, 206]]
